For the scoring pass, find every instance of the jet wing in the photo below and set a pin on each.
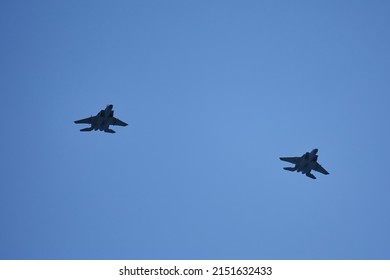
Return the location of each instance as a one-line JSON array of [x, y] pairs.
[[320, 169], [116, 121], [293, 160], [86, 120]]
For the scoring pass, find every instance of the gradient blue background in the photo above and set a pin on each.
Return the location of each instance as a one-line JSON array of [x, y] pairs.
[[214, 93]]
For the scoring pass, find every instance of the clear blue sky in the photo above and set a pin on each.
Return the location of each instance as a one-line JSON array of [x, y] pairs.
[[214, 93]]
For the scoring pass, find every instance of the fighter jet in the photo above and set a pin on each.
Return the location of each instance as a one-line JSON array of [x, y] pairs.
[[102, 121], [305, 164]]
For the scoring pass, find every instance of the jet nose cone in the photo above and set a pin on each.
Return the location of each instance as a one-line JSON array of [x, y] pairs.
[[315, 151]]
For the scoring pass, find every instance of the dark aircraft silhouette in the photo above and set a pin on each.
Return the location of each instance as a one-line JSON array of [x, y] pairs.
[[102, 121], [305, 164]]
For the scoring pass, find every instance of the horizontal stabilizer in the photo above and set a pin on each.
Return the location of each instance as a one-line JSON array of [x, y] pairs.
[[289, 168], [310, 175], [86, 129], [108, 130]]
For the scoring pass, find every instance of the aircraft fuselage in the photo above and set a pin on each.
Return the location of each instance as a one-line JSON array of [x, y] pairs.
[[103, 119], [308, 162]]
